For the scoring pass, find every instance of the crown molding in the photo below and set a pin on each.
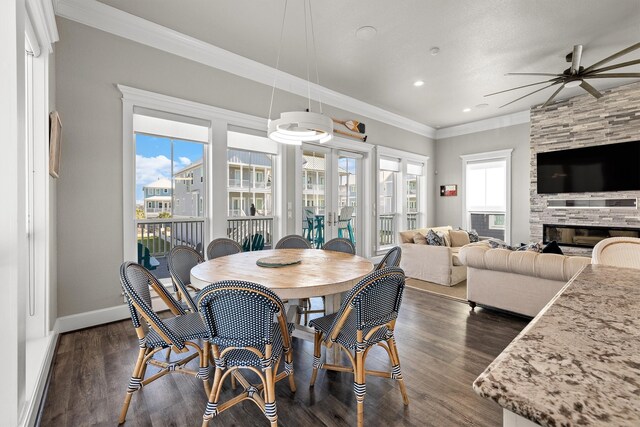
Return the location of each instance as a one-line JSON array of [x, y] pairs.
[[486, 124], [109, 19], [43, 19]]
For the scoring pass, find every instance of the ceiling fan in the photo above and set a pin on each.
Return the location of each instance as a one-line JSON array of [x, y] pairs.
[[577, 75]]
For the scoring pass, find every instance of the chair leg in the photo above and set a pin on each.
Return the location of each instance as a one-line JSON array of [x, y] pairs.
[[360, 386], [203, 372], [396, 373], [212, 404], [270, 410], [135, 383], [317, 354]]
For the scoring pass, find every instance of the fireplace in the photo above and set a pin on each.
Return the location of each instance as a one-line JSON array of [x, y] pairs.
[[584, 236]]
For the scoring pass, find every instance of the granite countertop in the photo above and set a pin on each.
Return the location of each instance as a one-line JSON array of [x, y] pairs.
[[578, 362]]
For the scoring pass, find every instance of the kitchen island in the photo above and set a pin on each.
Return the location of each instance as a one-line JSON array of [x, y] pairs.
[[578, 361]]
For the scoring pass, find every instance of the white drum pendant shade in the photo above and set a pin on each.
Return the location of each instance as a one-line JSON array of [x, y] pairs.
[[296, 127]]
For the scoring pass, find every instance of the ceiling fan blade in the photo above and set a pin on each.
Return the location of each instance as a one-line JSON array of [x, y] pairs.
[[531, 93], [553, 96], [592, 90], [613, 67], [611, 76], [533, 74], [575, 58], [612, 57], [520, 87]]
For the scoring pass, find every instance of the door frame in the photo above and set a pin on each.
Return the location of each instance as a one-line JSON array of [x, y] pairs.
[[367, 211]]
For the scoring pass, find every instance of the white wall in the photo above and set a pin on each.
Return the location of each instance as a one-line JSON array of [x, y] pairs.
[[89, 63], [449, 171]]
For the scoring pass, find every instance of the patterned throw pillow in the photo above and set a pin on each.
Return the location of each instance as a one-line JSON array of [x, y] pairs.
[[473, 235], [435, 239], [531, 247], [500, 244]]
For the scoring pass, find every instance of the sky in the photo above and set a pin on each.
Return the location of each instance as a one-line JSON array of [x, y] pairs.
[[153, 159]]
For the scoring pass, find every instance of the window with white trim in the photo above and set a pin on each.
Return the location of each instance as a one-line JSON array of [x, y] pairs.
[[487, 194]]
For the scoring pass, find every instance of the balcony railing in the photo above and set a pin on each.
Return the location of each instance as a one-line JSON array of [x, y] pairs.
[[239, 229], [160, 235], [412, 221], [249, 184], [387, 229]]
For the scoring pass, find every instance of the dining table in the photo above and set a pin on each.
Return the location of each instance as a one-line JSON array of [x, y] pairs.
[[311, 273]]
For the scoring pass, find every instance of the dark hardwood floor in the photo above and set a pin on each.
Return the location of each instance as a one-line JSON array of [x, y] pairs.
[[443, 347]]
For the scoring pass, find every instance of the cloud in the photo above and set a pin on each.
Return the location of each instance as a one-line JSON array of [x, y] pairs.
[[150, 169], [185, 161]]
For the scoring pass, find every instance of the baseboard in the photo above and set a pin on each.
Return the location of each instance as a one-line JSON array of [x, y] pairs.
[[91, 318], [31, 411]]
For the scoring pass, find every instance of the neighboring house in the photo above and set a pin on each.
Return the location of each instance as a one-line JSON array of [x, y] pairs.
[[250, 175], [157, 198], [313, 181], [189, 190]]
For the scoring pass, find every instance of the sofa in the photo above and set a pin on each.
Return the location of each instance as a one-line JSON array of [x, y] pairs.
[[521, 282], [436, 264]]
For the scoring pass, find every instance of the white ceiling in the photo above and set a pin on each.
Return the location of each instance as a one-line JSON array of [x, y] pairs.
[[479, 40]]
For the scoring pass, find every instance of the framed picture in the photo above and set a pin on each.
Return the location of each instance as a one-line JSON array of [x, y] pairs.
[[55, 130], [449, 190]]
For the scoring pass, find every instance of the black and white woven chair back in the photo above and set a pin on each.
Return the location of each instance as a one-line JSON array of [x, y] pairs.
[[223, 247], [238, 313], [293, 241], [136, 281], [391, 259], [180, 261], [340, 244], [376, 299]]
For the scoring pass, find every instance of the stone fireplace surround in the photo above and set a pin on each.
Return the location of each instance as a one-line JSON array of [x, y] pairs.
[[584, 121]]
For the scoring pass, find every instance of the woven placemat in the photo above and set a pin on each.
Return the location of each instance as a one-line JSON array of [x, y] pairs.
[[278, 261]]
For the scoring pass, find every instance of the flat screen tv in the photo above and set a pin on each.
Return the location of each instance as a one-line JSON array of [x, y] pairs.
[[610, 167]]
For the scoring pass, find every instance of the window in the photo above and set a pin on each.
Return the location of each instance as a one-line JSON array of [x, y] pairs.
[[487, 193], [401, 194], [387, 206], [168, 154], [249, 174]]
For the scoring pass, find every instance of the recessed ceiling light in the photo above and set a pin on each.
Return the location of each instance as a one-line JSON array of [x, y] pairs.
[[418, 83], [482, 105], [434, 50], [366, 33], [466, 110]]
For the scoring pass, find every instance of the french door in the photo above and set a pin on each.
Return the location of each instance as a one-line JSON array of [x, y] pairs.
[[330, 198]]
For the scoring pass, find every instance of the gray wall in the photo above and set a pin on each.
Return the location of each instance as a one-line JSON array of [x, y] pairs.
[[449, 171], [89, 63]]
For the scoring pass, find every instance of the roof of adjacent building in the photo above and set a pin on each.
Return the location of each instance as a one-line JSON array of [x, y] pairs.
[[160, 183], [158, 199]]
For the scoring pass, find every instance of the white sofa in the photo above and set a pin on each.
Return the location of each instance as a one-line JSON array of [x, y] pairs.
[[436, 264], [518, 281]]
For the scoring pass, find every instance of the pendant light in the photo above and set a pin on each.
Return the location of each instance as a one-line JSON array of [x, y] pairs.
[[296, 127]]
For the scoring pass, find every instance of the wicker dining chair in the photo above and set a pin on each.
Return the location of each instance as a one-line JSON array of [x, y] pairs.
[[177, 333], [223, 247], [243, 336], [180, 261], [391, 259], [293, 241], [367, 318], [340, 244]]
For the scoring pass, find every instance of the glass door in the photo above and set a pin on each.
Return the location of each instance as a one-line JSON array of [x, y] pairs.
[[331, 182]]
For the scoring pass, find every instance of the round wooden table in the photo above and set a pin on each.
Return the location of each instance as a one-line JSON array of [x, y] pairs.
[[320, 272]]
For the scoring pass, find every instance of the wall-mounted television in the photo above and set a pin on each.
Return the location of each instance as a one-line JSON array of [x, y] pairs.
[[610, 167]]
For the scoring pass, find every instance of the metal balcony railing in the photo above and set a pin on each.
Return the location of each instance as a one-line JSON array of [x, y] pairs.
[[160, 235], [242, 228]]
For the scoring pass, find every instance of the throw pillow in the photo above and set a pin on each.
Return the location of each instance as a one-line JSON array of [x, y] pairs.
[[459, 238], [531, 247], [473, 236], [419, 239], [500, 244], [435, 239], [552, 248]]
